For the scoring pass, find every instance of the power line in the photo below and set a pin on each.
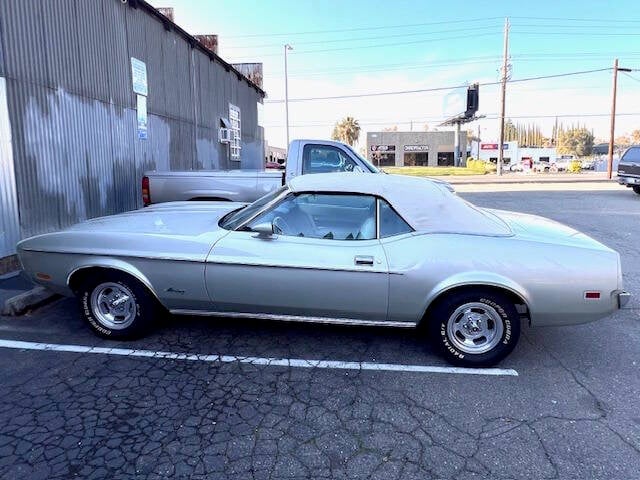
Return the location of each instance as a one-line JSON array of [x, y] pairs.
[[360, 29], [490, 116], [357, 39], [416, 42], [632, 77], [569, 19], [435, 89]]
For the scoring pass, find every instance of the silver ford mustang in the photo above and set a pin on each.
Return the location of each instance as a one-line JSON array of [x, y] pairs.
[[336, 248]]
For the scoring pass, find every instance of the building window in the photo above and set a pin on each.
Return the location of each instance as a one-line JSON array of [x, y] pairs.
[[236, 136], [420, 159], [383, 159], [445, 159]]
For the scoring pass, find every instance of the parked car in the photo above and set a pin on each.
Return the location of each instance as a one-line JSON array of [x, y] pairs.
[[385, 250], [629, 168], [304, 156]]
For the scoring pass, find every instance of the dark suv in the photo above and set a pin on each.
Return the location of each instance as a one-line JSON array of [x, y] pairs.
[[629, 168]]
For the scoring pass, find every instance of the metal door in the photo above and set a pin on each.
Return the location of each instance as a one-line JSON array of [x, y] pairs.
[[298, 276]]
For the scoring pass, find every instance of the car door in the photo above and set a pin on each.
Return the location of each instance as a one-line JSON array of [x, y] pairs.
[[324, 260]]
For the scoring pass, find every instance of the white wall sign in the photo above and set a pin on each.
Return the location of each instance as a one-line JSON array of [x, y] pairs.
[[139, 76], [416, 148], [142, 116]]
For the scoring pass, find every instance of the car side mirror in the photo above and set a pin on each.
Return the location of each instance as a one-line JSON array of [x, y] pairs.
[[264, 229], [358, 169]]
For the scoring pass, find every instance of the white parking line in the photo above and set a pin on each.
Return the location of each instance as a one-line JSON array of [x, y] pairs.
[[271, 362]]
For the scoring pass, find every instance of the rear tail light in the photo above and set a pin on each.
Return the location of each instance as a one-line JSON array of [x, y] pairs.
[[592, 295], [146, 195]]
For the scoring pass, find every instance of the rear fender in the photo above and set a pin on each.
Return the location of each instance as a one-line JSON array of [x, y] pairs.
[[478, 279]]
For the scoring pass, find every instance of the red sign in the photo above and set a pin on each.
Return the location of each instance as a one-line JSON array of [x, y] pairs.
[[493, 146]]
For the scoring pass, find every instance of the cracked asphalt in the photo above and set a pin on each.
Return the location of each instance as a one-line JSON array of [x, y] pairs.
[[573, 411]]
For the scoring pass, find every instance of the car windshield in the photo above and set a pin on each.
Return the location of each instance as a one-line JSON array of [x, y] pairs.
[[237, 218], [364, 161]]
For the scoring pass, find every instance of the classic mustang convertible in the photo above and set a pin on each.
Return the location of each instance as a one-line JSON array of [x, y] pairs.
[[336, 248]]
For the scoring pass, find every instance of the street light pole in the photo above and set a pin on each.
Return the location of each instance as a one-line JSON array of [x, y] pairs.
[[616, 69], [287, 47]]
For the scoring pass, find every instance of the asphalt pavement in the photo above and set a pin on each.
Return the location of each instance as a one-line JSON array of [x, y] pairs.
[[204, 398]]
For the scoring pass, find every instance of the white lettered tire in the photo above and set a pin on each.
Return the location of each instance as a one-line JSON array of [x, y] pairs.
[[115, 305], [474, 328]]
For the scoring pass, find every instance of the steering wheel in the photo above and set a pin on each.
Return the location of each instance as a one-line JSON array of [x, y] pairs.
[[280, 225]]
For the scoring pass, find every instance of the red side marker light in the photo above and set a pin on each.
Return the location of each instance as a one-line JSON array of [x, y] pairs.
[[43, 276], [592, 295]]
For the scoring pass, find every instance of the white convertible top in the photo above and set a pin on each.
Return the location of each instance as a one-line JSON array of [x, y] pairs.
[[427, 205]]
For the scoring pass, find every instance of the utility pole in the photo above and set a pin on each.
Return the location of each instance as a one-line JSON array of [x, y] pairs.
[[503, 94], [287, 47], [616, 69]]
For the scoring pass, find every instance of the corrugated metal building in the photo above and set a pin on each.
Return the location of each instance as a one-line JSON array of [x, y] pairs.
[[74, 134]]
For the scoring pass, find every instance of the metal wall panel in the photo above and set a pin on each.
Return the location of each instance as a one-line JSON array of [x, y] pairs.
[[72, 110], [9, 226]]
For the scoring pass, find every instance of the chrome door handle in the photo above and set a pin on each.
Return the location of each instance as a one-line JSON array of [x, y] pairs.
[[363, 260]]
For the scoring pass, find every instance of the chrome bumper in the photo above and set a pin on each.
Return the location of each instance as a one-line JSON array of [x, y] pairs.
[[623, 299], [626, 180]]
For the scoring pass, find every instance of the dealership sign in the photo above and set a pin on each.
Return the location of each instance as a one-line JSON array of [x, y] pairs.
[[383, 148], [493, 146], [416, 148]]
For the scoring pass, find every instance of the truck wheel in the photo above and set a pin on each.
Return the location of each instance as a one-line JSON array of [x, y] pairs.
[[474, 328], [117, 306], [636, 188]]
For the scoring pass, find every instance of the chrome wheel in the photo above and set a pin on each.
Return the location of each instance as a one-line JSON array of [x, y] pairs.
[[475, 328], [113, 305]]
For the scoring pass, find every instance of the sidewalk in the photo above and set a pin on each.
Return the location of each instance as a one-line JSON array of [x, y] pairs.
[[528, 178], [18, 294]]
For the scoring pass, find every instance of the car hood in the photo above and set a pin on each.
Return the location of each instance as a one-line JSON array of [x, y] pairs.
[[543, 230]]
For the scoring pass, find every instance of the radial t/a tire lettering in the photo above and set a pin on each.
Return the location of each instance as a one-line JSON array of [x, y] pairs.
[[117, 306], [474, 328]]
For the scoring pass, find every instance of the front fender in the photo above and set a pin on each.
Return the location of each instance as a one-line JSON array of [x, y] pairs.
[[475, 278], [113, 264]]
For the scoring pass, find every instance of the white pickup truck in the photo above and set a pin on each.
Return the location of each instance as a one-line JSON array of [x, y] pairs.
[[304, 156]]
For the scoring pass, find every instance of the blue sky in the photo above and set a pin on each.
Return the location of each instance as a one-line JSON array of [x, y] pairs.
[[356, 47]]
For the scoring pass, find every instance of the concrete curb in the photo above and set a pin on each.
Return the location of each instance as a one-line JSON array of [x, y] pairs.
[[24, 301]]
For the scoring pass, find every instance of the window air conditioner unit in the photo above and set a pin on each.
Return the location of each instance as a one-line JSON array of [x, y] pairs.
[[224, 135]]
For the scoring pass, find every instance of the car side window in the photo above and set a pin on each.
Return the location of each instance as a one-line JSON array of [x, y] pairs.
[[325, 159], [391, 224], [325, 216], [632, 155]]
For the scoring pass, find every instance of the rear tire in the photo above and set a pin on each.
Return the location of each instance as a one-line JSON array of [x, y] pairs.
[[636, 188], [474, 328], [117, 306]]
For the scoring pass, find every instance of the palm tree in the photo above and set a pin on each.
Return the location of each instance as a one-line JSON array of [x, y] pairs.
[[347, 130]]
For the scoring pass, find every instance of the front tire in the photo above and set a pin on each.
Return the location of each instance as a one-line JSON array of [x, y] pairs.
[[474, 328], [636, 188], [117, 306]]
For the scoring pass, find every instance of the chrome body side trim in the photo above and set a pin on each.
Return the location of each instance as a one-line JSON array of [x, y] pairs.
[[301, 267], [295, 318]]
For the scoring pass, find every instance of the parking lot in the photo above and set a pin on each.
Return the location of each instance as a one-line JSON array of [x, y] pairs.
[[205, 398]]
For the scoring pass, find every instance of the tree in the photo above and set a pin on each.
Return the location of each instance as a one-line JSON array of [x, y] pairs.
[[635, 136], [575, 140], [346, 130]]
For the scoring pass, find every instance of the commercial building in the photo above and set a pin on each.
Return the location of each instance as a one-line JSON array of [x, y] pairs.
[[413, 148], [93, 93], [513, 153]]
